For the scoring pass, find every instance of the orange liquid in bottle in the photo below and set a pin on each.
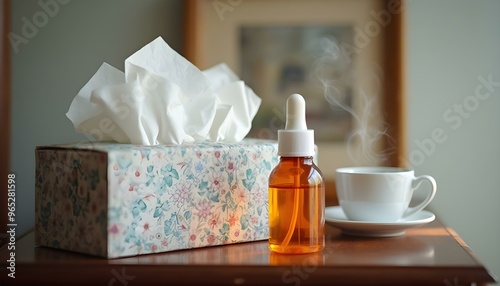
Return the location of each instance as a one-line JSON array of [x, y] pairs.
[[296, 207]]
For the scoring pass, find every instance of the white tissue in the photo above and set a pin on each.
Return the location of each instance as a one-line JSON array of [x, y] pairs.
[[163, 99]]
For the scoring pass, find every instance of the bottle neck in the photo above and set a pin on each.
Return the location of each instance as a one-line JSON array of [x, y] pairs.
[[308, 160]]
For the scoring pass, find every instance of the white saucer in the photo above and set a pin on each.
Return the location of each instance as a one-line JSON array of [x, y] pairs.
[[336, 217]]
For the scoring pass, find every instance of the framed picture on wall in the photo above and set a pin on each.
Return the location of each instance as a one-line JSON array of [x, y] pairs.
[[343, 56]]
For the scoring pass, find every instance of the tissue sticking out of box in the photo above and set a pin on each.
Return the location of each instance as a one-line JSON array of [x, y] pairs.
[[164, 99]]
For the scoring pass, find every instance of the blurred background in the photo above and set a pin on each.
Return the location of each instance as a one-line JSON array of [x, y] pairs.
[[451, 47]]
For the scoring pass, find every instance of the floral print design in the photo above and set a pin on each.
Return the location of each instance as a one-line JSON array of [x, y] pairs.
[[155, 198]]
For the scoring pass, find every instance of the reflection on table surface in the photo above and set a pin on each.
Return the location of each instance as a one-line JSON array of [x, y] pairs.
[[424, 246]]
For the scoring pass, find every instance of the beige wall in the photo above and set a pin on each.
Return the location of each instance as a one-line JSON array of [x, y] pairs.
[[450, 45]]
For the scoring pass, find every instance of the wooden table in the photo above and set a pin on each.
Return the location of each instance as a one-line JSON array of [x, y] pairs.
[[429, 255]]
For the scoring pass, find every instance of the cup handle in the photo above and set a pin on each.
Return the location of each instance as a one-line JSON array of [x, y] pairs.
[[418, 180]]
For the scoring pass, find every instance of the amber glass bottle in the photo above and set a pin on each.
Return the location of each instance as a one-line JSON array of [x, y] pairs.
[[296, 189], [296, 206]]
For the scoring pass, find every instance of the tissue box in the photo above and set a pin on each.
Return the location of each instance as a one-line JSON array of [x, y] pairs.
[[114, 200]]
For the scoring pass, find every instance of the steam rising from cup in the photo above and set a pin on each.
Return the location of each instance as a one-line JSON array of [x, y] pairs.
[[365, 141]]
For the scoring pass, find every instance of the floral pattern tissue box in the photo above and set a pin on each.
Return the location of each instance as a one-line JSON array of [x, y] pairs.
[[114, 200]]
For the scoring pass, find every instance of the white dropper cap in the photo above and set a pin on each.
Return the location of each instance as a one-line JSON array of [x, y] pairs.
[[295, 140]]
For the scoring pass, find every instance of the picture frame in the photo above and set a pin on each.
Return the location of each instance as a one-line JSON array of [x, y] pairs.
[[213, 34]]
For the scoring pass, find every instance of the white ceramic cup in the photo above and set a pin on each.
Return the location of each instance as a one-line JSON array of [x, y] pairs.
[[380, 194]]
